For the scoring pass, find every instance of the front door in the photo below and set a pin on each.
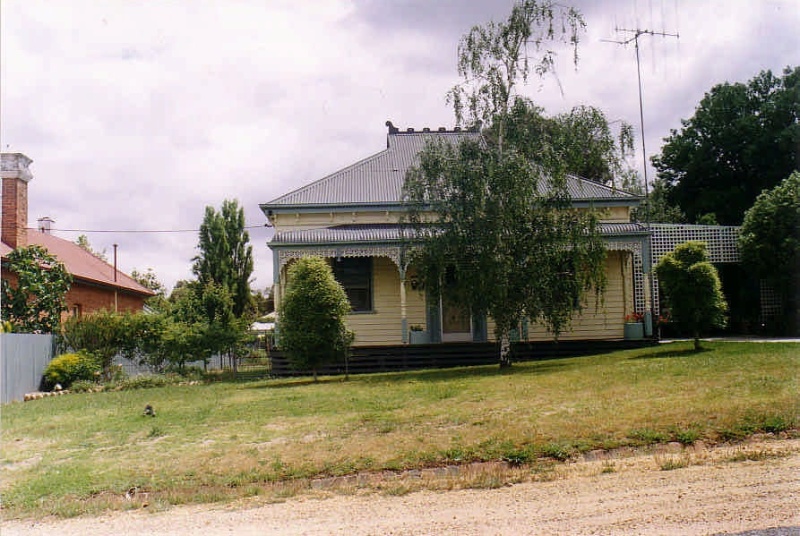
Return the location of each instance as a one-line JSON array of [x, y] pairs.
[[456, 322]]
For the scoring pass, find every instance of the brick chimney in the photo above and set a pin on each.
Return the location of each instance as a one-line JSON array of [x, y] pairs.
[[16, 176]]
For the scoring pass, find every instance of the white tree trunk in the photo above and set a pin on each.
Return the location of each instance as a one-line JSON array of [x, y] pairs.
[[505, 351]]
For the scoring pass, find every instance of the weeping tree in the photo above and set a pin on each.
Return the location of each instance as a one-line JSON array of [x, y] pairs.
[[505, 241], [493, 59], [495, 227]]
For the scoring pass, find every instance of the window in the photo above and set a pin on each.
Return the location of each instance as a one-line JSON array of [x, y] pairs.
[[355, 275], [77, 310]]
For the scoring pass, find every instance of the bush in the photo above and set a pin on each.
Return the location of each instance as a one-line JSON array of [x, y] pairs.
[[312, 317], [68, 368], [85, 386]]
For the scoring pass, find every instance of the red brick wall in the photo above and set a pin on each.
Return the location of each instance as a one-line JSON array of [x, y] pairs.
[[92, 298]]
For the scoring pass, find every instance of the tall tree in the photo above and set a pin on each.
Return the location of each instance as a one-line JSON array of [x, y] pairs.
[[312, 319], [742, 139], [693, 289], [495, 57], [582, 138], [770, 244], [504, 240], [226, 257], [37, 299]]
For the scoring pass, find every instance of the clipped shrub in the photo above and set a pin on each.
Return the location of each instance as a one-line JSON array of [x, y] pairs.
[[66, 369], [312, 317]]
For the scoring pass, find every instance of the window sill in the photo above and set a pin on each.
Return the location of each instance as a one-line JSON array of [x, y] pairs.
[[372, 312]]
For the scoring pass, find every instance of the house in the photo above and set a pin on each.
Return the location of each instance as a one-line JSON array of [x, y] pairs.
[[96, 284], [352, 217]]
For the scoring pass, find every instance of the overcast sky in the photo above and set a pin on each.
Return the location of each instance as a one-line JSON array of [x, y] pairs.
[[139, 114]]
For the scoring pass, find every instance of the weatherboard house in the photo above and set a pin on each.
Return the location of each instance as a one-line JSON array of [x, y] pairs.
[[96, 285], [353, 218]]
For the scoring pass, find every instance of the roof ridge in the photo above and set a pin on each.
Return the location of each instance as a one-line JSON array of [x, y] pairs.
[[393, 130], [601, 185], [124, 281]]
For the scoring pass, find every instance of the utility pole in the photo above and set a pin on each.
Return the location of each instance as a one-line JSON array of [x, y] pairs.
[[634, 38]]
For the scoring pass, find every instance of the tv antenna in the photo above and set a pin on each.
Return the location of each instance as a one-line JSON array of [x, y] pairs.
[[634, 38]]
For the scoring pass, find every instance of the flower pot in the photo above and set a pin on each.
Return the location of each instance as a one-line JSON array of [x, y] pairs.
[[634, 331], [419, 337]]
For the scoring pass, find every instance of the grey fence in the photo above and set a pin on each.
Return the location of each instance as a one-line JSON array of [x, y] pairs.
[[23, 358]]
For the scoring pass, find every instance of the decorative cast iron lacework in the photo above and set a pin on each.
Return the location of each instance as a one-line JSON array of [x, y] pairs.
[[394, 254]]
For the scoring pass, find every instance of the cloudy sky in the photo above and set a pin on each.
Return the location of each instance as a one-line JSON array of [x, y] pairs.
[[139, 114]]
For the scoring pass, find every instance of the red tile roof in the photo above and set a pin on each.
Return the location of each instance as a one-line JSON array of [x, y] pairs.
[[80, 263]]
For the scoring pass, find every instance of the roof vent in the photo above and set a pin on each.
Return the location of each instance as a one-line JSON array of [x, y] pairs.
[[45, 224], [442, 129], [426, 129], [409, 130], [456, 129]]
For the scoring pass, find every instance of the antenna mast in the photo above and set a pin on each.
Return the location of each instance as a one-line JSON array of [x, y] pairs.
[[637, 33]]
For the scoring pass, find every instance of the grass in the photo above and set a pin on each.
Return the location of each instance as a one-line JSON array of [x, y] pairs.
[[82, 453]]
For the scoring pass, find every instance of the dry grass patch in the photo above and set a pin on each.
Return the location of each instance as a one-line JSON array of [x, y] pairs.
[[225, 441]]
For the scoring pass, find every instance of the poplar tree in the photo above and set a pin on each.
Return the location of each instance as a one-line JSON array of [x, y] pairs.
[[226, 256]]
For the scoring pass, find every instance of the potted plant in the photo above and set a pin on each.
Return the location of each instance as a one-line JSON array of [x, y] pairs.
[[417, 335], [634, 328]]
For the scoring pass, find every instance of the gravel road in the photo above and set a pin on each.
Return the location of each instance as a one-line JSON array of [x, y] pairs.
[[751, 489]]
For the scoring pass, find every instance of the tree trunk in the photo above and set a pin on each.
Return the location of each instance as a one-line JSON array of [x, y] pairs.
[[697, 347], [315, 375], [505, 351]]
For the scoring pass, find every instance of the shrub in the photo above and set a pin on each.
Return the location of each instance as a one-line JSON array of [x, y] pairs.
[[69, 368], [85, 386], [312, 316]]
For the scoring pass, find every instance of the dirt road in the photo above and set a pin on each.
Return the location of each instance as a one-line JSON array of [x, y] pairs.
[[747, 489]]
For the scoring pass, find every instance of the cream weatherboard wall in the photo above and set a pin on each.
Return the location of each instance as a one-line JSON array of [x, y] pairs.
[[599, 320], [383, 325]]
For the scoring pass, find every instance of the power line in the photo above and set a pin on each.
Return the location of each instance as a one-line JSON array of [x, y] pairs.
[[136, 231]]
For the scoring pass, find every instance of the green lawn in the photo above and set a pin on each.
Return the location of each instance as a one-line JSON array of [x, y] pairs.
[[80, 453]]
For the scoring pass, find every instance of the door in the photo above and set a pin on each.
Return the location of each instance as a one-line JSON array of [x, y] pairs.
[[456, 322]]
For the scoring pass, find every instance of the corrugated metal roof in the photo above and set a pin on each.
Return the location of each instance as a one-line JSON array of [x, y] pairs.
[[617, 229], [82, 264], [341, 234], [390, 232], [376, 179], [379, 178]]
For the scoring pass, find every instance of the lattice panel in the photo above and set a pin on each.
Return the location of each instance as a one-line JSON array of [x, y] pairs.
[[770, 303], [722, 242]]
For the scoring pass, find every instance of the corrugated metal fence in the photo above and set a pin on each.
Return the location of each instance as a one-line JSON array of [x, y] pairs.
[[23, 358]]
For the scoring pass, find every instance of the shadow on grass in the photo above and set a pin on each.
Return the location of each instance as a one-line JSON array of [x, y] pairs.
[[425, 375], [672, 352]]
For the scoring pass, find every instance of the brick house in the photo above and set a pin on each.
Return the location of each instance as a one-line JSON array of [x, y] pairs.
[[96, 284]]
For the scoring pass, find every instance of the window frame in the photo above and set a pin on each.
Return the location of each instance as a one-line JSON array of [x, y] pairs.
[[366, 282]]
